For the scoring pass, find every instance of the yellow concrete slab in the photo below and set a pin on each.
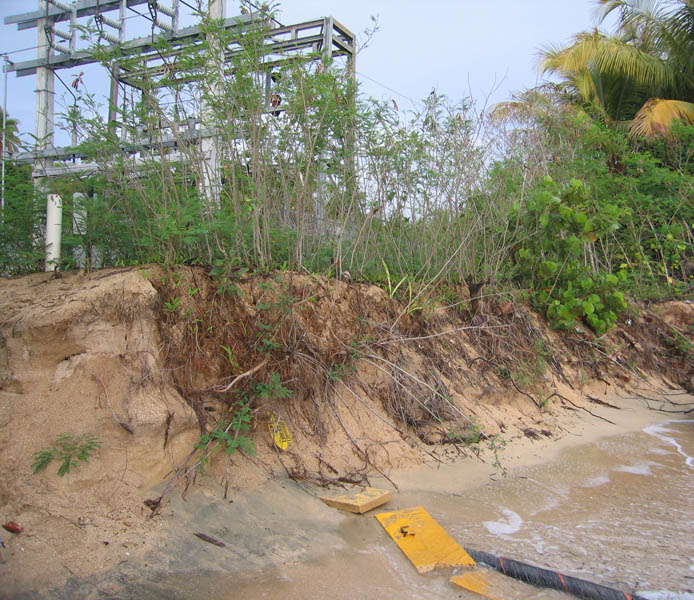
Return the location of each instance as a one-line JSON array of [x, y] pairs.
[[492, 585], [359, 500], [476, 582], [423, 540]]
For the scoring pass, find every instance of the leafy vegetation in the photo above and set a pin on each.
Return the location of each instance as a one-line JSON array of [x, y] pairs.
[[546, 194], [228, 435], [9, 134], [644, 73], [556, 264], [22, 224], [68, 450]]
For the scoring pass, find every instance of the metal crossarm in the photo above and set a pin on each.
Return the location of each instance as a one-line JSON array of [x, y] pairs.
[[144, 44], [58, 13]]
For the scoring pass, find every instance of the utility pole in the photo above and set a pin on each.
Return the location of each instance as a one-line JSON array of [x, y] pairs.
[[209, 145], [3, 148], [44, 127]]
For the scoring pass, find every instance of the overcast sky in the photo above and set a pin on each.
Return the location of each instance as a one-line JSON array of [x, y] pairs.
[[486, 49]]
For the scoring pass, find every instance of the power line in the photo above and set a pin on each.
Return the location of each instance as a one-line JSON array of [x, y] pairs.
[[390, 89], [8, 52], [264, 11], [193, 8], [139, 13]]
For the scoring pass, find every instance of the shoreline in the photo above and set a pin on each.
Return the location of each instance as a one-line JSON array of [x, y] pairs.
[[463, 498], [277, 533], [521, 452]]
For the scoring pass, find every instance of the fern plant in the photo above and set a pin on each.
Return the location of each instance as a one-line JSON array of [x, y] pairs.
[[68, 450]]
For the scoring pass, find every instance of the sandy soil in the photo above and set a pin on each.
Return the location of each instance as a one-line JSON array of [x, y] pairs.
[[91, 354], [281, 527]]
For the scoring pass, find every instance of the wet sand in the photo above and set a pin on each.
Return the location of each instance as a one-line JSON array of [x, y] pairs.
[[610, 503]]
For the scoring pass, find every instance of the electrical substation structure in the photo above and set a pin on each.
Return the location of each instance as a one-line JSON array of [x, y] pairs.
[[60, 27]]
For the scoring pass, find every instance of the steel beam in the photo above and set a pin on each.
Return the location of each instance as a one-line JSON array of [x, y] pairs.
[[84, 57], [334, 46], [61, 153]]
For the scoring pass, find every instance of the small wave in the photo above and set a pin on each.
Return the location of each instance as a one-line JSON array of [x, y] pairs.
[[661, 451], [666, 595], [597, 481], [659, 430], [642, 468], [511, 525]]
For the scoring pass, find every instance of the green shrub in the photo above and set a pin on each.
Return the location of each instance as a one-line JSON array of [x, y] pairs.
[[558, 259]]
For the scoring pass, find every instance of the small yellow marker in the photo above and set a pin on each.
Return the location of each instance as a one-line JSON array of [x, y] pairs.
[[423, 540], [474, 582], [359, 501], [281, 436]]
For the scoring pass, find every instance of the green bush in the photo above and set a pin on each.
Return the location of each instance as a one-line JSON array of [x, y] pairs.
[[557, 258], [22, 224]]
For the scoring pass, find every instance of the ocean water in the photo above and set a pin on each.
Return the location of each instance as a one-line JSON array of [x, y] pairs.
[[619, 512]]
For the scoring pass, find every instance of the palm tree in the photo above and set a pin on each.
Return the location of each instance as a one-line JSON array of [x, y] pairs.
[[644, 73], [533, 103], [12, 143]]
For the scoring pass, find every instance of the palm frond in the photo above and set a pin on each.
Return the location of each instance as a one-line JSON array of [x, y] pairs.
[[528, 104], [657, 116], [610, 55], [12, 141]]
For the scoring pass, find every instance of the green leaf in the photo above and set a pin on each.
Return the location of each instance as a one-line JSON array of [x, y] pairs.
[[580, 219], [65, 466], [547, 268], [41, 460]]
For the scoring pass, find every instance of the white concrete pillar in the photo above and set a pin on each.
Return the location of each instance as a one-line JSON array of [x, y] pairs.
[[45, 117], [54, 223], [45, 89], [209, 146], [218, 9]]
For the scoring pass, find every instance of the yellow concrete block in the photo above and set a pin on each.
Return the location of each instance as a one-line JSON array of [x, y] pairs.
[[360, 500], [423, 540], [475, 582]]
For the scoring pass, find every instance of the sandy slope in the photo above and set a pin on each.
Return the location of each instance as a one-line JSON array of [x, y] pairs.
[[92, 354]]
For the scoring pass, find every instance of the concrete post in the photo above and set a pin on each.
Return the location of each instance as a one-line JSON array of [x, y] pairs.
[[54, 223], [209, 146], [45, 114]]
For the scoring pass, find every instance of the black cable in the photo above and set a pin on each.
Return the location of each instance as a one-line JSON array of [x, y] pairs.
[[99, 20], [20, 50], [48, 31], [190, 6], [550, 579], [139, 13], [264, 11], [66, 86]]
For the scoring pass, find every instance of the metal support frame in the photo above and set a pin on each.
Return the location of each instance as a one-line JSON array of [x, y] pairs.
[[55, 11], [58, 13], [326, 35]]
